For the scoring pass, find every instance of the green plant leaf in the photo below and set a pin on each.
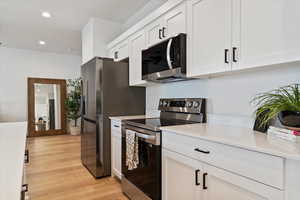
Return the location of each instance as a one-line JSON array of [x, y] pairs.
[[270, 104]]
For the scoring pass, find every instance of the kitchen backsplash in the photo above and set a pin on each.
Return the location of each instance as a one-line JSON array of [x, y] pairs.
[[228, 96]]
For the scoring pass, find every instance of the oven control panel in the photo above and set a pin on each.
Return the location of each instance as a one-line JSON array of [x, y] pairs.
[[183, 105]]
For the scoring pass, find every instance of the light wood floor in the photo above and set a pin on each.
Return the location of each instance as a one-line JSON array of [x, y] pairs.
[[55, 172]]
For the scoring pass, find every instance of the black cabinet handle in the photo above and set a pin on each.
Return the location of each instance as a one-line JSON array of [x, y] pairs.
[[204, 181], [196, 177], [226, 56], [163, 32], [234, 59], [116, 55], [116, 126], [25, 188], [202, 151], [23, 191], [160, 34], [26, 156]]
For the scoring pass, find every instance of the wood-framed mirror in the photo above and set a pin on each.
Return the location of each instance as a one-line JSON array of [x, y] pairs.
[[46, 107]]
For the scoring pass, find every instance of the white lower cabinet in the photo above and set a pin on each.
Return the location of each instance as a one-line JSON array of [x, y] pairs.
[[181, 177], [116, 149], [190, 179], [220, 184]]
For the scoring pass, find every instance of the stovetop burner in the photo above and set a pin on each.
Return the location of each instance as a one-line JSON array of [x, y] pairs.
[[155, 123]]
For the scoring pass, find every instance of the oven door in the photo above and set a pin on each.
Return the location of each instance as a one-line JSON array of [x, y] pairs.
[[165, 60], [147, 176]]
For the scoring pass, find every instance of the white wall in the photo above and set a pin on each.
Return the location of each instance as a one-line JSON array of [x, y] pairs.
[[228, 96], [17, 65]]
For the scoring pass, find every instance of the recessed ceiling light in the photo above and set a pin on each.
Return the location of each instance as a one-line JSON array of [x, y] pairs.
[[41, 42], [46, 14]]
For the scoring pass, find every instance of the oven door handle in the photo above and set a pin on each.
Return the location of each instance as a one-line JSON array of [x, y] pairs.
[[147, 137], [169, 53]]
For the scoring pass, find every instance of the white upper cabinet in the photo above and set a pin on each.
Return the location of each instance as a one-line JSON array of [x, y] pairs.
[[168, 25], [265, 32], [175, 21], [209, 37], [137, 43], [181, 177], [120, 52], [222, 35], [154, 32], [111, 52]]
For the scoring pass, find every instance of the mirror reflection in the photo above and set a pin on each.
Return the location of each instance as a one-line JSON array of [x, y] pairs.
[[47, 107]]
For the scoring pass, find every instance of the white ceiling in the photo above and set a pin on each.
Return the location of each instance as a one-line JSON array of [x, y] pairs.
[[21, 24]]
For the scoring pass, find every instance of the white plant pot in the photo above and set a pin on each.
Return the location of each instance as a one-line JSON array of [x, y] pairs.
[[74, 130]]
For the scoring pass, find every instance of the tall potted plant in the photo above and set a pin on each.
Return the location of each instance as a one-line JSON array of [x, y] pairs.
[[73, 105], [283, 103]]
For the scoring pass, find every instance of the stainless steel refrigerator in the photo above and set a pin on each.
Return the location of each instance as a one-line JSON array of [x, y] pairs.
[[105, 93]]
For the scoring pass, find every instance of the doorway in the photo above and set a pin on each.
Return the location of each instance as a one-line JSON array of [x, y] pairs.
[[46, 107]]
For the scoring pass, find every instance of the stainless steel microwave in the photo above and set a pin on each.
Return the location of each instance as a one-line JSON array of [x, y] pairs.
[[166, 61]]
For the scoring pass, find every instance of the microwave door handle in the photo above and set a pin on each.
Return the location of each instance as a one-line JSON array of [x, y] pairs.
[[169, 53]]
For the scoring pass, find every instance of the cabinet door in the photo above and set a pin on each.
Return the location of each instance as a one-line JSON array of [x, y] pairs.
[[154, 32], [122, 51], [113, 154], [137, 44], [220, 184], [179, 177], [111, 53], [209, 36], [175, 21], [116, 154], [265, 32], [118, 157]]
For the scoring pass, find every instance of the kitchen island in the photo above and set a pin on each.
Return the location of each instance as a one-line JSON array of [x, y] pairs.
[[12, 151]]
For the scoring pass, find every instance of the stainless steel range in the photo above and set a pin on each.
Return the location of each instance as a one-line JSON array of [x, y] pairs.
[[144, 182]]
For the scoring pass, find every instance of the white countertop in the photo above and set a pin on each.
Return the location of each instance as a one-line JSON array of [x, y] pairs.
[[239, 137], [121, 118], [12, 150]]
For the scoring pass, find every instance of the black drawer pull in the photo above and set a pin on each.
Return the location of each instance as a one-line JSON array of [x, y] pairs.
[[116, 126], [26, 156], [202, 151], [204, 181], [196, 177]]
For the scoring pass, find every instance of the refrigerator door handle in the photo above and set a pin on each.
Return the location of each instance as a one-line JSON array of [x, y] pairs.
[[86, 96]]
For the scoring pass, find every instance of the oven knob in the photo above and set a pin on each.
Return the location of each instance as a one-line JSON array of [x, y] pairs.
[[161, 103], [190, 104], [196, 104], [165, 103]]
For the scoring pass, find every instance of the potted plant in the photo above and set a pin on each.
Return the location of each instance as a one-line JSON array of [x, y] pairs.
[[73, 105], [283, 103]]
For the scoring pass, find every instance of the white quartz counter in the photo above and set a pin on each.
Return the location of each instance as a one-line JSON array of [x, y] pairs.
[[239, 137], [122, 118], [12, 150]]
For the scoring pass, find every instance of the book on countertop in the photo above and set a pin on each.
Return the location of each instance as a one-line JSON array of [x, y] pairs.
[[284, 130], [289, 136]]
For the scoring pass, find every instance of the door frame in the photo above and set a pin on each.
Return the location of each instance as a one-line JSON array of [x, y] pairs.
[[31, 108]]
